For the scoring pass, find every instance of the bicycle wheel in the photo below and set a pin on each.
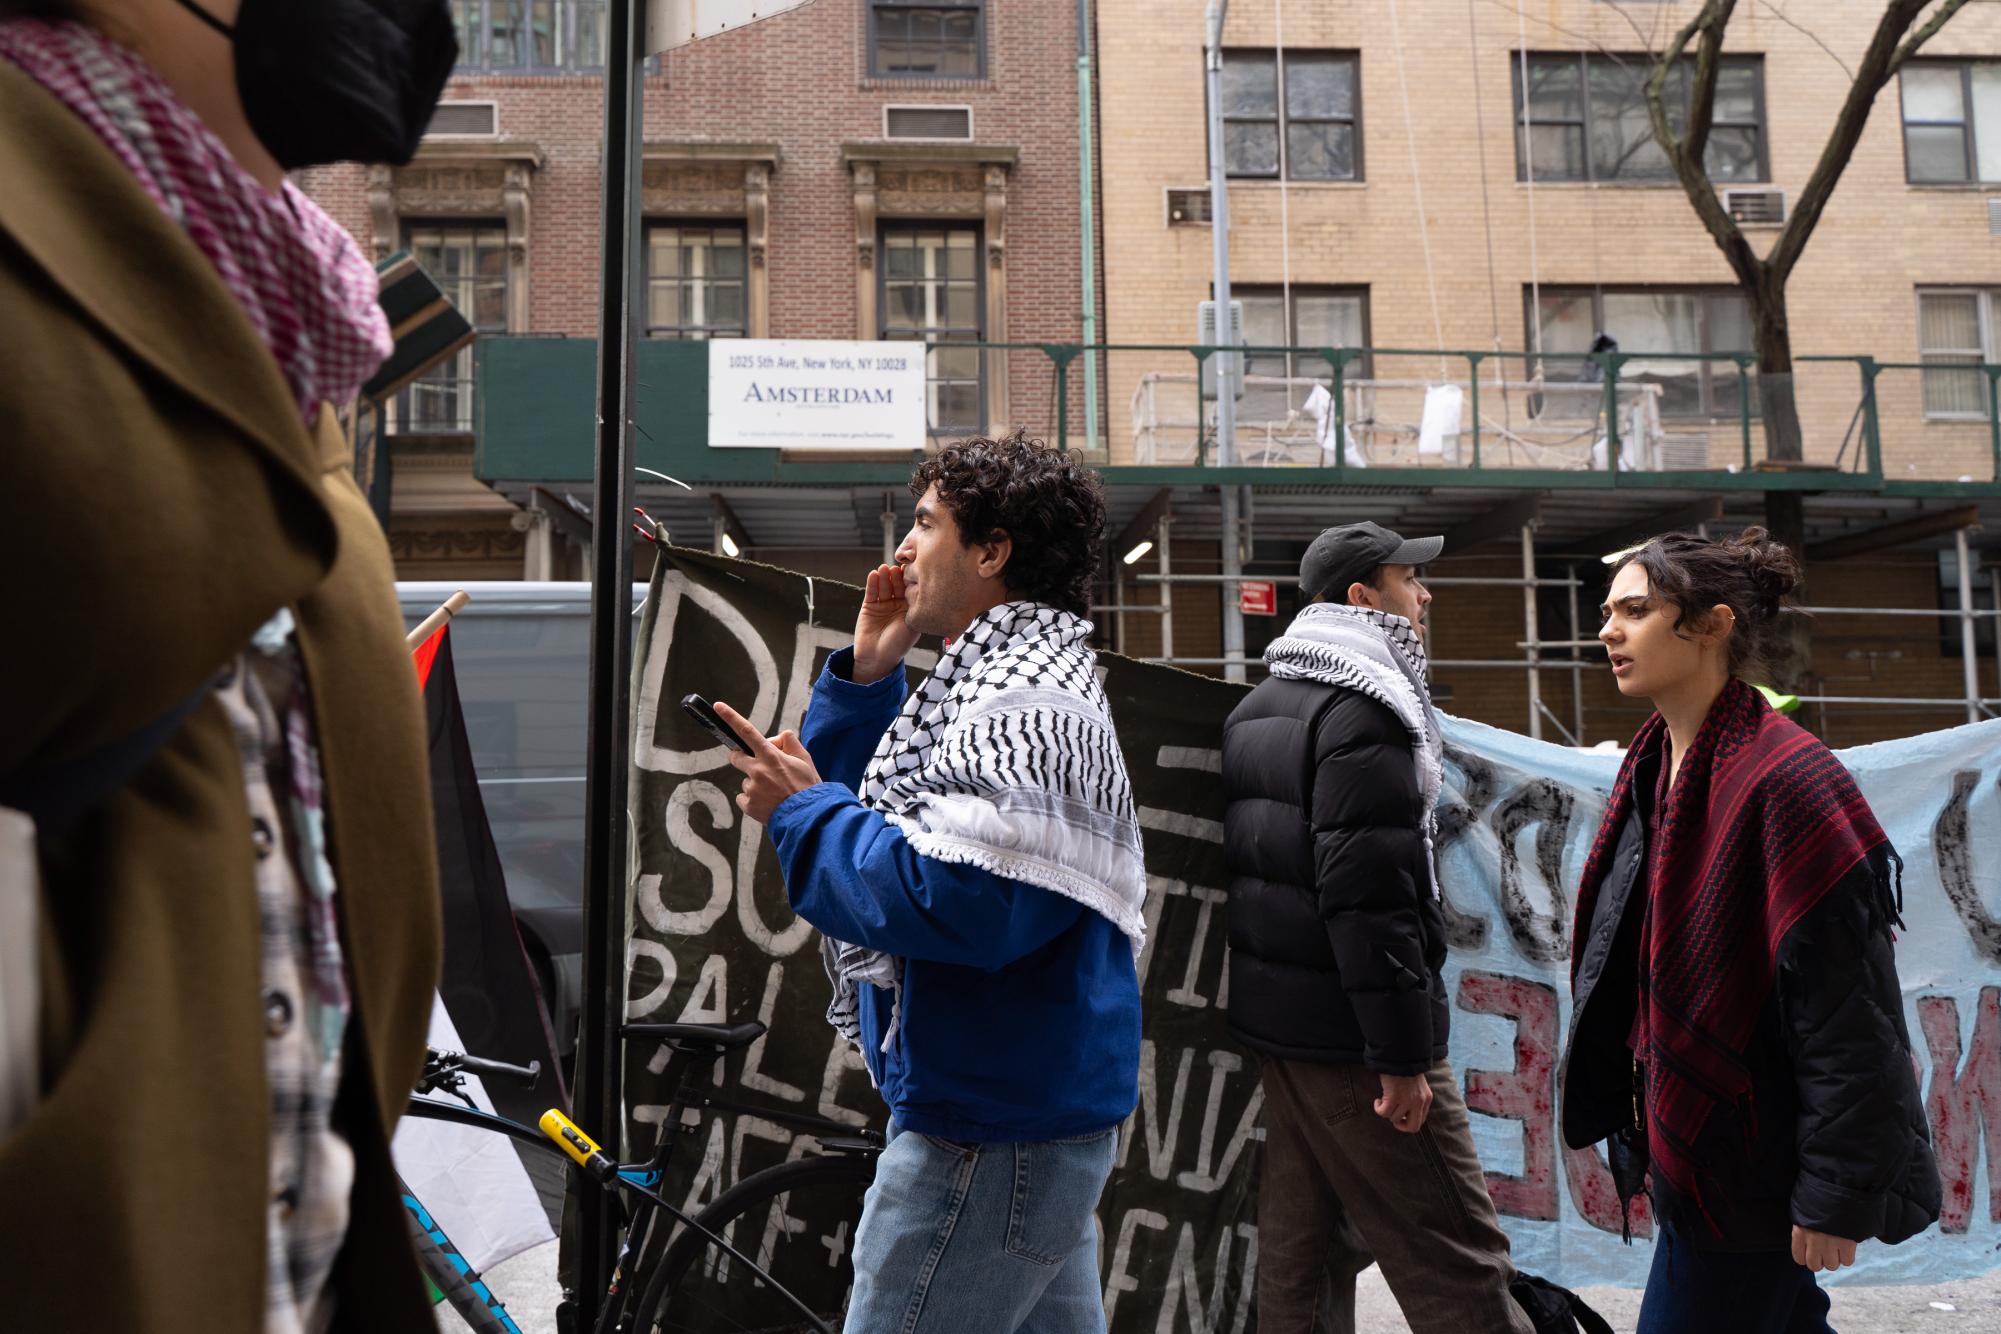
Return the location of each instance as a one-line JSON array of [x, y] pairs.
[[463, 1290], [797, 1220]]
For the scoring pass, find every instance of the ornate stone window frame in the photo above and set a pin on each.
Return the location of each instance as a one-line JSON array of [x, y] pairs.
[[718, 180], [936, 180], [459, 179]]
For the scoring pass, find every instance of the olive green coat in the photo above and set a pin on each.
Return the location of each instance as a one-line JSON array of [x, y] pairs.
[[159, 500]]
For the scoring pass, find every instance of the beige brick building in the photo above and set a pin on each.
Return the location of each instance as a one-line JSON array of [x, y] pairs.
[[1380, 194], [1434, 118]]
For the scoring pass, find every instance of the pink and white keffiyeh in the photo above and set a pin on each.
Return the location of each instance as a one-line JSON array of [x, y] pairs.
[[309, 291]]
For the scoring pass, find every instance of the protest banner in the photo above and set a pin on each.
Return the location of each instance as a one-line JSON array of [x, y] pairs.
[[711, 938]]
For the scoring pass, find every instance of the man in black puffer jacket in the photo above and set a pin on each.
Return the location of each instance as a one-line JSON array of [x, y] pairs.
[[1332, 769]]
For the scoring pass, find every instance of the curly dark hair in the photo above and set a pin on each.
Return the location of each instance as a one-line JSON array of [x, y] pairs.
[[1052, 506], [1751, 573]]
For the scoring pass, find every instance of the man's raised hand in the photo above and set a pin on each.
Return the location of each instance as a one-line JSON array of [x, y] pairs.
[[882, 636]]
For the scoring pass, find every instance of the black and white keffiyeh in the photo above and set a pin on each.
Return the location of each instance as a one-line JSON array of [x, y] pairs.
[[1005, 758], [1380, 655]]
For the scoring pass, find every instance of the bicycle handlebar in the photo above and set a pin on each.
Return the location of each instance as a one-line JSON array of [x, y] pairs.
[[525, 1075], [446, 1070]]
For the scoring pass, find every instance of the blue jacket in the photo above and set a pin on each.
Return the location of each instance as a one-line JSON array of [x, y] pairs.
[[1020, 1007]]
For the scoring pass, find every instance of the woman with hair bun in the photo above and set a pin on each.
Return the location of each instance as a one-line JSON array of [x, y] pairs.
[[1737, 1031]]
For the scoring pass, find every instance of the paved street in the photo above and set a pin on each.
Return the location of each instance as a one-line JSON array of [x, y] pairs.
[[527, 1284]]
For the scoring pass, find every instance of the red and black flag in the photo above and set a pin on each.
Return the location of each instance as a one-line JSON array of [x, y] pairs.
[[489, 987]]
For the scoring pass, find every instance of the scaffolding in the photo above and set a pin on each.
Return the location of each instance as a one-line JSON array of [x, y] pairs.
[[1539, 655]]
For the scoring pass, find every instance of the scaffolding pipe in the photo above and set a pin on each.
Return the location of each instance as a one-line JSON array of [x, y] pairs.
[[1450, 582], [1953, 613], [1511, 665], [1529, 621], [1226, 333], [1219, 248], [1576, 664], [1233, 568], [1969, 662], [888, 529], [1903, 700], [1994, 595], [1165, 548], [1086, 221]]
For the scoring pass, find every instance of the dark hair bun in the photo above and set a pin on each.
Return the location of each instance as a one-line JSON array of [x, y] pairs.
[[1774, 570]]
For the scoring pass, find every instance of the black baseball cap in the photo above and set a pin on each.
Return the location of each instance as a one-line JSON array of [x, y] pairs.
[[1352, 552]]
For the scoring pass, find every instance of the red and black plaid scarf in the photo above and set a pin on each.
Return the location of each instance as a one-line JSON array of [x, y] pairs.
[[1761, 822]]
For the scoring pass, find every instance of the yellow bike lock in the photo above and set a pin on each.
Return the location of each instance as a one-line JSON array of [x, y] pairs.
[[578, 1145]]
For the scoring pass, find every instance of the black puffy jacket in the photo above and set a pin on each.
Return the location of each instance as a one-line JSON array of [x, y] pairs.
[[1336, 940], [1833, 1136]]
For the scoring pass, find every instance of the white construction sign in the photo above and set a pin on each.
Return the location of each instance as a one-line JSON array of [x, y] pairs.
[[799, 394]]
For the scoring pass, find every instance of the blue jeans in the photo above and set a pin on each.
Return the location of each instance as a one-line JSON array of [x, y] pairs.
[[1745, 1292], [994, 1237]]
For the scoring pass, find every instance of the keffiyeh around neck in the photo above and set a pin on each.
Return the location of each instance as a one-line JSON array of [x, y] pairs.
[[1005, 758], [1376, 653], [309, 292]]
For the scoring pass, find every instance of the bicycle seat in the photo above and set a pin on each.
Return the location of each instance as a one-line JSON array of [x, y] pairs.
[[715, 1037]]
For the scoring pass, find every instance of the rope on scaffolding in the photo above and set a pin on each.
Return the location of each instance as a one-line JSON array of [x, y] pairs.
[[1417, 185], [1487, 214], [1286, 312], [1528, 170]]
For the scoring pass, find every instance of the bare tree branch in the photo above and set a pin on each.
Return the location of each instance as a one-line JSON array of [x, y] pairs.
[[1621, 58], [1925, 34], [1646, 43], [1685, 152], [1702, 90], [1779, 13], [1878, 65]]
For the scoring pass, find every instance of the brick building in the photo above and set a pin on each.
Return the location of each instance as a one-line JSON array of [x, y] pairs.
[[850, 169]]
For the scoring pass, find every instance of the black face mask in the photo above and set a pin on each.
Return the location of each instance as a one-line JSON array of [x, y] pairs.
[[339, 80]]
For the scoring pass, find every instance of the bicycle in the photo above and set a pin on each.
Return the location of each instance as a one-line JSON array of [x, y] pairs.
[[687, 1271]]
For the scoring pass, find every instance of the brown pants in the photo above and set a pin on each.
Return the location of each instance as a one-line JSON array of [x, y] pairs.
[[1341, 1189]]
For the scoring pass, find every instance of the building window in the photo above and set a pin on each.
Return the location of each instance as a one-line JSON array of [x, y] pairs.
[[931, 292], [927, 41], [1296, 118], [1680, 321], [1584, 118], [1276, 383], [694, 281], [1952, 122], [468, 260], [530, 36], [1956, 328]]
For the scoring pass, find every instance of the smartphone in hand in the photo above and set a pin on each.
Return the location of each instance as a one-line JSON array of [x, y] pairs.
[[704, 713]]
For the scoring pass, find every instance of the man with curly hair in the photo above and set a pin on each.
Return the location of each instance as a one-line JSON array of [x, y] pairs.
[[973, 861]]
